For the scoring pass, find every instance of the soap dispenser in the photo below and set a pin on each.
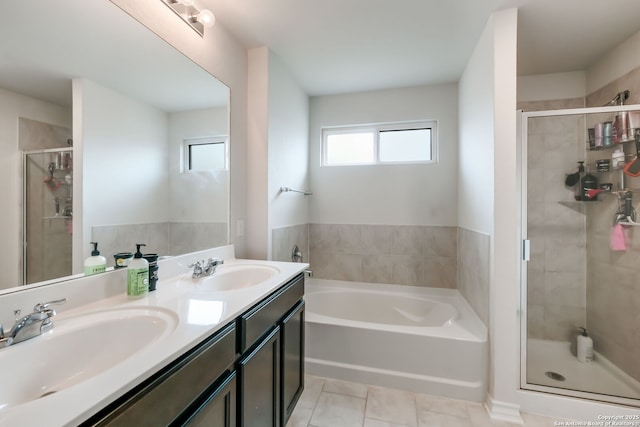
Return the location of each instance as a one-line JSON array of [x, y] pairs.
[[138, 275], [585, 347], [96, 263]]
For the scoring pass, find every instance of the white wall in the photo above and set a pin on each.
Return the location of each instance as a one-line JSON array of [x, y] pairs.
[[257, 225], [197, 196], [421, 194], [277, 153], [488, 187], [544, 87], [288, 149], [624, 58], [13, 106], [219, 53], [125, 146], [476, 142]]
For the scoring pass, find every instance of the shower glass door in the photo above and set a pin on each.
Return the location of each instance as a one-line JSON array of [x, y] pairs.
[[47, 214], [583, 253]]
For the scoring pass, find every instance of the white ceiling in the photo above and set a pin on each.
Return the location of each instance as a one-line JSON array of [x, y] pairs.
[[44, 44], [336, 46]]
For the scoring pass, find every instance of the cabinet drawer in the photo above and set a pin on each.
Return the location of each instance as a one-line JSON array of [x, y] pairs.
[[258, 320], [166, 397]]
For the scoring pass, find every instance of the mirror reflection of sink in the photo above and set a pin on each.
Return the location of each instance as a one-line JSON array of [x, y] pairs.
[[234, 277], [78, 348]]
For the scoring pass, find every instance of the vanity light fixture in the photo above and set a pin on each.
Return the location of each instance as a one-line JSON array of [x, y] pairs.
[[197, 19]]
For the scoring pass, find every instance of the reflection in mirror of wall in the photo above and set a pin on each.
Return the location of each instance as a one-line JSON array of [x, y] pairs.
[[128, 115]]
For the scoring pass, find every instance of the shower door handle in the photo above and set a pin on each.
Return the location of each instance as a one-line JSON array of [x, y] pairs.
[[526, 250]]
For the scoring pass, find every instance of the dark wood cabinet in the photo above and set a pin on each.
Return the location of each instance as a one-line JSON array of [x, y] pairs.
[[162, 399], [292, 337], [219, 409], [250, 374], [260, 380]]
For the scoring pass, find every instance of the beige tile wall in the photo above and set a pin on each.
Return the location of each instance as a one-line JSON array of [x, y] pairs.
[[613, 280], [553, 104], [604, 294], [49, 240], [445, 257], [404, 255], [473, 270], [557, 271], [285, 238]]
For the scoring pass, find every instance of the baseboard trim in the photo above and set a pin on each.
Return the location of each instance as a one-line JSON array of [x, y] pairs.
[[503, 411]]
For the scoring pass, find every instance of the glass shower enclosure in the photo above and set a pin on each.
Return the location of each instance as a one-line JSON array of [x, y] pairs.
[[581, 241], [47, 214]]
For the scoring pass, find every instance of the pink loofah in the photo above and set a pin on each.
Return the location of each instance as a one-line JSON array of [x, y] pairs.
[[618, 239]]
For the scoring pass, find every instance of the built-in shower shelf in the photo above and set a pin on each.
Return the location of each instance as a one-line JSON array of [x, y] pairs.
[[578, 206], [58, 217]]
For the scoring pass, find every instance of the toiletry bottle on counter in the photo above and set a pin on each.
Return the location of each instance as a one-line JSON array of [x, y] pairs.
[[96, 263], [138, 275], [585, 347]]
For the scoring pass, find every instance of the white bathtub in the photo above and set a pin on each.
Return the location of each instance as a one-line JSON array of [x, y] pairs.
[[425, 340]]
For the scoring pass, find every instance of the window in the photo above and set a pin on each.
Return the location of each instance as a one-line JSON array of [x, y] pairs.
[[378, 144], [205, 154]]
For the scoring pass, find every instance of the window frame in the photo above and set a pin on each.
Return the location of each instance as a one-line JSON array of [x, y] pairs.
[[187, 143], [376, 129]]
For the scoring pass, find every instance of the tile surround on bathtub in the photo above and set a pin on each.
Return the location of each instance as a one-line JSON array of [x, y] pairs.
[[431, 256], [473, 270], [284, 238], [405, 255]]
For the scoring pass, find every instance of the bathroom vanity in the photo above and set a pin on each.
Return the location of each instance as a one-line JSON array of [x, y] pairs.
[[231, 351]]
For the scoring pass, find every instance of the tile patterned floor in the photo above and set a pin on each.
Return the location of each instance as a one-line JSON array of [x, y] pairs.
[[332, 403]]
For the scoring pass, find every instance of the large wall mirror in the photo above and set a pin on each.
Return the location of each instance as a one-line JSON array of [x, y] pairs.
[[107, 134]]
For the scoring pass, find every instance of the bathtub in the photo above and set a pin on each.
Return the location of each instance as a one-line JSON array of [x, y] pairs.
[[424, 340]]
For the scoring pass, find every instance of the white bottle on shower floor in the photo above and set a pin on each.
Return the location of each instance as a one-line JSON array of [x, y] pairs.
[[585, 347]]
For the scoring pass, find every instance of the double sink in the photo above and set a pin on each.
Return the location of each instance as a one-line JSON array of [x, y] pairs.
[[88, 343]]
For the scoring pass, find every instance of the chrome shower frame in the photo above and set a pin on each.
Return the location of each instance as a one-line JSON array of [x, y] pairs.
[[525, 254]]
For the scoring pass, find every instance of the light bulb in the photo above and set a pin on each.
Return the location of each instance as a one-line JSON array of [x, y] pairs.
[[206, 18]]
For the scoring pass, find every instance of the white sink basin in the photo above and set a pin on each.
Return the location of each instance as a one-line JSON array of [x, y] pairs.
[[76, 349], [234, 277]]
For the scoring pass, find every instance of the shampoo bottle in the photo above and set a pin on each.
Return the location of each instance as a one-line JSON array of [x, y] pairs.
[[96, 263], [138, 275], [585, 347]]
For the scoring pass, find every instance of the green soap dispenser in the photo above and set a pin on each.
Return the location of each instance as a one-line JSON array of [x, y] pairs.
[[138, 275], [96, 263]]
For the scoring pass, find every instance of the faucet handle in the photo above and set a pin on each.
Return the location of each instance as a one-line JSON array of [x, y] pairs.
[[198, 267], [43, 306]]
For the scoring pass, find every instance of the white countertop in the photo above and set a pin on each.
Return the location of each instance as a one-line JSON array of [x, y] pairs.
[[199, 314]]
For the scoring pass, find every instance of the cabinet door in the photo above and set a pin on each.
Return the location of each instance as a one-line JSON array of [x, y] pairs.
[[259, 375], [292, 336], [219, 410]]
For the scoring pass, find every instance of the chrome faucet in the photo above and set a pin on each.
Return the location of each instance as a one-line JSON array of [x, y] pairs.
[[30, 325], [197, 269], [212, 264], [201, 269]]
